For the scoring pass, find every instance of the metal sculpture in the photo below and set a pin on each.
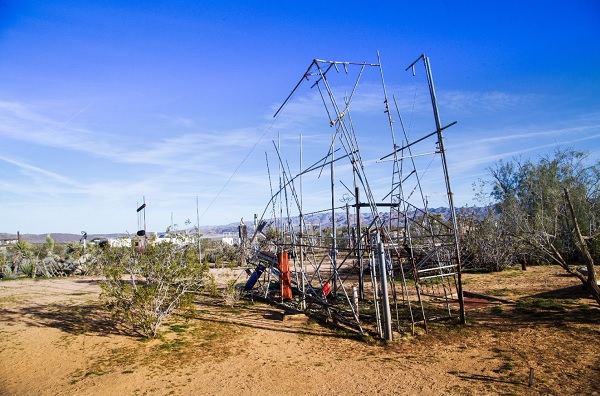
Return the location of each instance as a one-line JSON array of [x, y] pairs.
[[391, 271]]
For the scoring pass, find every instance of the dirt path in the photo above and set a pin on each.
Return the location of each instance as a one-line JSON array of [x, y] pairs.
[[56, 340]]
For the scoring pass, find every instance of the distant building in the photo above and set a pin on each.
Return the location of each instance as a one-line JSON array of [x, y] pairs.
[[6, 242], [139, 242], [231, 239], [179, 238], [119, 242]]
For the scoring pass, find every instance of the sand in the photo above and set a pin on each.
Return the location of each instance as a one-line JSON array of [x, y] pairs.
[[56, 339]]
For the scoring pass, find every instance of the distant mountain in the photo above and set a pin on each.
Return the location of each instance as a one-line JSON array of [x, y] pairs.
[[58, 237], [322, 219]]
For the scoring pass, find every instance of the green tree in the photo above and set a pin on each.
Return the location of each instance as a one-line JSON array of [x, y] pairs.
[[144, 287], [545, 204], [49, 243]]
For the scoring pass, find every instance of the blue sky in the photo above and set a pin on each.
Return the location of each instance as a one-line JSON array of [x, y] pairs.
[[103, 103]]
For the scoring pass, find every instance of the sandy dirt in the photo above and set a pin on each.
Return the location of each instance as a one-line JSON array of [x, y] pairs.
[[56, 339]]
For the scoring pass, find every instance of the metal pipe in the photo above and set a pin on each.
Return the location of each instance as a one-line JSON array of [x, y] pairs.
[[359, 252], [448, 188], [387, 315], [303, 303], [333, 225], [295, 88], [198, 230], [145, 236], [419, 140], [373, 271]]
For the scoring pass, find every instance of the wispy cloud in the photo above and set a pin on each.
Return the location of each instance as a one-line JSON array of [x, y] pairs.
[[27, 124], [37, 172], [468, 102], [569, 134], [172, 168]]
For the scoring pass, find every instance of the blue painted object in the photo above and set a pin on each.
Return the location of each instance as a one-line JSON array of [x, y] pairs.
[[254, 277]]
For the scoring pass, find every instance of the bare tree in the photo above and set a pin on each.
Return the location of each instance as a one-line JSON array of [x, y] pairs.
[[484, 240], [590, 279], [543, 204]]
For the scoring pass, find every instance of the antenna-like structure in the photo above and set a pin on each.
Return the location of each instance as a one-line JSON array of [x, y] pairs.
[[141, 241], [396, 264]]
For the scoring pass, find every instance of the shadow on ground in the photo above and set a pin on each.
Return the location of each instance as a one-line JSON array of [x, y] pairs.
[[266, 317], [577, 291], [559, 308], [72, 319]]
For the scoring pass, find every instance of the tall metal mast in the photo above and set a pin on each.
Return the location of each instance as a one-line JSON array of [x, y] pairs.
[[442, 151], [419, 240]]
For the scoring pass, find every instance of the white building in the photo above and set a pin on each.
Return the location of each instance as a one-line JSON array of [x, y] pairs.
[[231, 238]]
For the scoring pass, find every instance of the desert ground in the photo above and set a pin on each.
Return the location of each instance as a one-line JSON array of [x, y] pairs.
[[56, 339]]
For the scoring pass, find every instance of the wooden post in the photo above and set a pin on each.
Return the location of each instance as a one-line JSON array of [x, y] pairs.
[[530, 376]]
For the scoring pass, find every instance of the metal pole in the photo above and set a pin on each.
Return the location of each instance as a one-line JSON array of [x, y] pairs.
[[198, 231], [280, 188], [359, 253], [303, 307], [355, 299], [438, 125], [333, 225], [145, 233], [387, 315], [347, 220], [373, 271]]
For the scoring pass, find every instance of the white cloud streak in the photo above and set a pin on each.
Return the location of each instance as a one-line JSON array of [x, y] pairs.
[[173, 168]]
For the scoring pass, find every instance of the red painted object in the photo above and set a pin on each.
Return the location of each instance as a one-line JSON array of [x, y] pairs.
[[284, 276]]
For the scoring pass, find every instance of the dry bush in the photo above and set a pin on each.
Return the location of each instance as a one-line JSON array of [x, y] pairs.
[[144, 287]]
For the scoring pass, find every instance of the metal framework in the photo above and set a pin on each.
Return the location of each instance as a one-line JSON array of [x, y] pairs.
[[398, 266]]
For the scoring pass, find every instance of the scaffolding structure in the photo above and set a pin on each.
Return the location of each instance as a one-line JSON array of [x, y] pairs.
[[396, 265]]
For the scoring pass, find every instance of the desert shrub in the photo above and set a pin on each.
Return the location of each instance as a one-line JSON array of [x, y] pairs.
[[29, 268], [8, 269], [39, 249], [19, 255], [231, 294], [74, 250], [219, 252], [232, 264], [22, 247], [5, 270], [50, 243], [486, 244], [211, 286], [144, 287]]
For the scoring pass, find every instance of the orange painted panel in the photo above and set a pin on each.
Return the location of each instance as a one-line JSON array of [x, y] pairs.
[[284, 274]]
